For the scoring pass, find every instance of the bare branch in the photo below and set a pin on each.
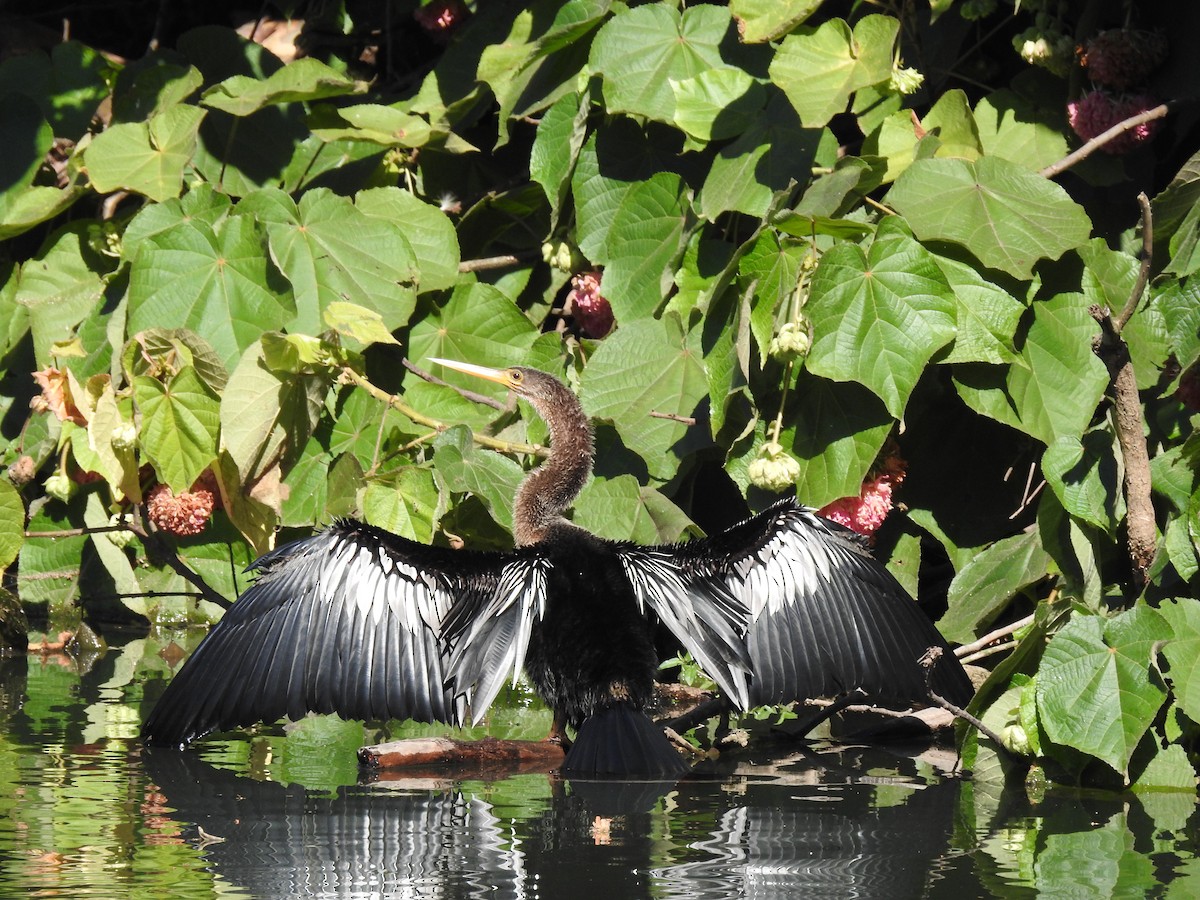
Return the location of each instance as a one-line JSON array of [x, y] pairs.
[[1139, 286], [1104, 137]]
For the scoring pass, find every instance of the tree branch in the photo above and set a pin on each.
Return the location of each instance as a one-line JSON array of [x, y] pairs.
[[1104, 137]]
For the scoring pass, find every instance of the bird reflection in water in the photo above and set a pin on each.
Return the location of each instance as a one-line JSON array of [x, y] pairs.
[[758, 837]]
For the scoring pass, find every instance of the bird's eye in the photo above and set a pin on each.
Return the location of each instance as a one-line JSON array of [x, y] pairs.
[[515, 376]]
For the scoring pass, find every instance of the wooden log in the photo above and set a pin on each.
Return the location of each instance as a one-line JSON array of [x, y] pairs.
[[442, 751]]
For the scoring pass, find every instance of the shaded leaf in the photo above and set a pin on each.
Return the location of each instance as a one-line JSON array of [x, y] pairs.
[[304, 79], [1182, 653], [984, 586], [1084, 474], [429, 232]]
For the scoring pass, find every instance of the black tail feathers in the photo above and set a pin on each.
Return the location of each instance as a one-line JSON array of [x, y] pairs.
[[621, 740]]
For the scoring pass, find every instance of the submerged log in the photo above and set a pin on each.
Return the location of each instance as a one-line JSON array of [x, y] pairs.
[[435, 751]]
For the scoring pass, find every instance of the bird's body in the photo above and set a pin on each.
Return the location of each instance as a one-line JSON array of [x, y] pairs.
[[369, 625]]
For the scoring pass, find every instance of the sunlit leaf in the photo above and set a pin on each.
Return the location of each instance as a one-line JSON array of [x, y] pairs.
[[465, 468], [1096, 689], [478, 324], [986, 584], [58, 287], [1006, 215], [768, 20], [879, 313], [405, 503], [1183, 653], [180, 421], [1084, 474], [12, 523], [304, 79], [146, 157]]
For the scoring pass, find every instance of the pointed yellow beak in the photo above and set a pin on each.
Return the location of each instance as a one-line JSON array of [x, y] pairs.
[[500, 376]]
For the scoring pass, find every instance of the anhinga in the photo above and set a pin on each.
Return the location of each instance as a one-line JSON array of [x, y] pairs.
[[369, 625]]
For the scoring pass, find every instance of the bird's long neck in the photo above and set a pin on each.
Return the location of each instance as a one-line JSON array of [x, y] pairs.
[[548, 490]]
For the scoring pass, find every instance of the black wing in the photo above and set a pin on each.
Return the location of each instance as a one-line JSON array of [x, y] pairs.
[[821, 615], [350, 621]]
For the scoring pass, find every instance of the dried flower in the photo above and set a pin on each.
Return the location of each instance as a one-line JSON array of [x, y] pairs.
[[1122, 57], [56, 395], [21, 472], [182, 515], [1096, 112], [590, 308]]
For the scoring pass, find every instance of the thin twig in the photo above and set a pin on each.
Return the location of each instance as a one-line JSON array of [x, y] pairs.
[[1104, 137], [496, 262], [929, 662], [686, 420], [1143, 277], [1010, 628], [988, 651], [470, 395]]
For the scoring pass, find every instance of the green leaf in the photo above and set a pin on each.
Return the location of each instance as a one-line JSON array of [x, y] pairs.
[[1084, 475], [386, 126], [1095, 690], [202, 203], [1007, 216], [304, 79], [48, 570], [405, 503], [640, 51], [330, 252], [363, 325], [146, 157], [819, 68], [1058, 385], [465, 469], [478, 323], [12, 523], [308, 487], [560, 136], [951, 121], [26, 137], [1168, 770], [986, 316], [717, 103], [267, 415], [643, 244], [143, 91], [772, 154], [180, 421], [59, 287], [1013, 128], [879, 313], [769, 20], [982, 588], [1182, 653], [68, 85], [1179, 302], [213, 280], [774, 269], [428, 230], [835, 432], [646, 366], [622, 510]]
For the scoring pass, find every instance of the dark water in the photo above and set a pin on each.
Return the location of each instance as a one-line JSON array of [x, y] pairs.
[[84, 812]]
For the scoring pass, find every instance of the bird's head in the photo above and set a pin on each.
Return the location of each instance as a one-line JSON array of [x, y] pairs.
[[531, 384]]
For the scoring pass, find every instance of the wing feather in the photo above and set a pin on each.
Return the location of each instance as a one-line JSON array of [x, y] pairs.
[[819, 615], [351, 621]]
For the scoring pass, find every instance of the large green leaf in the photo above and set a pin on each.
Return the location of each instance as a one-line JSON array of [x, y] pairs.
[[405, 503], [1007, 216], [1179, 302], [643, 243], [1085, 477], [1183, 653], [879, 313], [819, 68], [622, 510], [835, 432], [1096, 688], [986, 316], [304, 79], [331, 252], [146, 157], [985, 585], [560, 136], [59, 287], [1059, 383], [267, 415], [640, 51], [478, 324], [466, 469], [428, 230], [180, 422], [717, 104], [646, 366], [1013, 128], [214, 280]]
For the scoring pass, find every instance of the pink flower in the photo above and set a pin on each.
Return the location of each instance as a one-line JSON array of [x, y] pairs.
[[1096, 112], [866, 512], [182, 515], [440, 18], [591, 310]]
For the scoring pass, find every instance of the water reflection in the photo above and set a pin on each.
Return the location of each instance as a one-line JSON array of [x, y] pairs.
[[85, 812], [718, 837]]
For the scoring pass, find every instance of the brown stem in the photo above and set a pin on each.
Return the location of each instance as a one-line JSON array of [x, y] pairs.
[[1005, 631], [929, 662], [1139, 287], [496, 262], [1104, 137]]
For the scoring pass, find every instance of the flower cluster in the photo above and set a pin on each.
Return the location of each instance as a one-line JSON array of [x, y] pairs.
[[441, 18], [1096, 112], [774, 469], [866, 512], [184, 514], [590, 309], [1121, 58]]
